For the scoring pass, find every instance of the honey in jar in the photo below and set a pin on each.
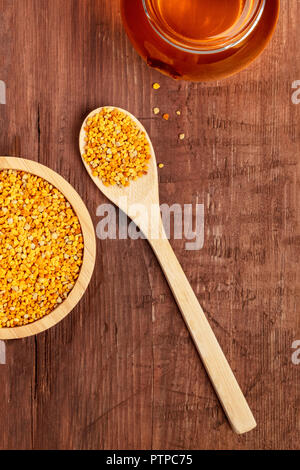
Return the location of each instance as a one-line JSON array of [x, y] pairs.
[[199, 39]]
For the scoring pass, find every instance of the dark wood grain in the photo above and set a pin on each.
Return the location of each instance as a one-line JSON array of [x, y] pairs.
[[121, 371]]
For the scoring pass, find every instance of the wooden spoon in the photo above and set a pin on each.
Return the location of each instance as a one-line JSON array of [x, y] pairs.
[[140, 201]]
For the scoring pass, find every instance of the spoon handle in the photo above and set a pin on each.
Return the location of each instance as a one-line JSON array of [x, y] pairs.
[[217, 367]]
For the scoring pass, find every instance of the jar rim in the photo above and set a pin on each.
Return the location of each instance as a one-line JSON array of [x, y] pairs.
[[235, 41]]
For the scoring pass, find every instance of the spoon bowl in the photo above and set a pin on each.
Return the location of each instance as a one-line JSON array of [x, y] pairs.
[[143, 191]]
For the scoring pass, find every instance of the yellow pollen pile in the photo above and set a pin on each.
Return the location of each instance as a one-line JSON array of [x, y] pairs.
[[41, 248], [116, 150]]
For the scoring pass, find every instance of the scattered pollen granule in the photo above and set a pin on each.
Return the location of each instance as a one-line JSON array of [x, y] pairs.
[[166, 117], [156, 110], [181, 136], [156, 86], [178, 113], [116, 150], [41, 248], [161, 165]]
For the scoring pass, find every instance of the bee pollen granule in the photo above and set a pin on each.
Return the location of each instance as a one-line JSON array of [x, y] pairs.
[[41, 248]]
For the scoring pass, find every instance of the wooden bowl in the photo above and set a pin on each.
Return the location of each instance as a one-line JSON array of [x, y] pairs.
[[89, 255], [181, 65]]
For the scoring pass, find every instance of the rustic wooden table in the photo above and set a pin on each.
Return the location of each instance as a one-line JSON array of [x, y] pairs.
[[121, 371]]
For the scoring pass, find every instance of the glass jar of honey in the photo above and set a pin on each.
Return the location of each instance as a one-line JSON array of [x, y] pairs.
[[199, 40]]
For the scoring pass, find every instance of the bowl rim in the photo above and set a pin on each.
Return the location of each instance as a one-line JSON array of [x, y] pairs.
[[89, 252], [240, 37]]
